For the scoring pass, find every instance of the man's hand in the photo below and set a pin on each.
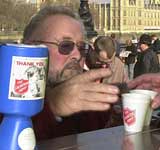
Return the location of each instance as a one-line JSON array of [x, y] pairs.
[[82, 93], [150, 82]]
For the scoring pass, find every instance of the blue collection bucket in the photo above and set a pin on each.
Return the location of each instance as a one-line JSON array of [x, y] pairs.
[[23, 70]]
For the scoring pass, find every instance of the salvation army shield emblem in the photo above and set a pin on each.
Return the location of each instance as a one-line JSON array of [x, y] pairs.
[[129, 116], [21, 86]]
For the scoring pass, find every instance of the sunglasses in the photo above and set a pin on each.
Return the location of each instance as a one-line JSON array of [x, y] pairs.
[[66, 47]]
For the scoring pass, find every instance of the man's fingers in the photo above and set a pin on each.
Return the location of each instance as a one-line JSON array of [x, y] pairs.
[[156, 102], [144, 85], [101, 87], [94, 106], [92, 75], [133, 84], [138, 81], [99, 97], [149, 79]]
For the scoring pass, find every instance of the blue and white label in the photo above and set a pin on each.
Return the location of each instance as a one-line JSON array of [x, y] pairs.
[[28, 78]]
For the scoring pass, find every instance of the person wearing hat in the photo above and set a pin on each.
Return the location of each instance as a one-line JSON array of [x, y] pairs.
[[155, 43], [147, 60]]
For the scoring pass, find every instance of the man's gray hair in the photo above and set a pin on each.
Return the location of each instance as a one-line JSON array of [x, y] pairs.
[[45, 12]]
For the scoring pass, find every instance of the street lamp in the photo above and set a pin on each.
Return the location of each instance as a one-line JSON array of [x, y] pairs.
[[86, 17]]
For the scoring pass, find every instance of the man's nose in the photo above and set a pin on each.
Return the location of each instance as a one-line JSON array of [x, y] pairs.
[[76, 53]]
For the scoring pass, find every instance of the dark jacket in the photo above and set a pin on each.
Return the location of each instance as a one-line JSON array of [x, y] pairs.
[[147, 62], [156, 46], [132, 56]]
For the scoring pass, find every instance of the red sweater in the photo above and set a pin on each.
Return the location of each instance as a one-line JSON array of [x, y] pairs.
[[46, 126]]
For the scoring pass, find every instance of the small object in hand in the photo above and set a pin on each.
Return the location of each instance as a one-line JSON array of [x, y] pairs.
[[123, 87], [100, 64]]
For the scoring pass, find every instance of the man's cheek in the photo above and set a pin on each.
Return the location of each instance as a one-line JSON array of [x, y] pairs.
[[58, 62]]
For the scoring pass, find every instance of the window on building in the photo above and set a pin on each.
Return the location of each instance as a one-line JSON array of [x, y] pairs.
[[114, 23], [134, 13], [132, 2], [118, 13], [139, 3], [118, 23], [102, 15], [114, 2], [139, 13], [114, 13], [139, 22]]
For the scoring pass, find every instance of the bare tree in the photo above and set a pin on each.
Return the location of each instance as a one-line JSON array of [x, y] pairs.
[[14, 16], [22, 14]]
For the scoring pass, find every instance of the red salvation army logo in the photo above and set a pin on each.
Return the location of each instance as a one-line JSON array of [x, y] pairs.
[[129, 116], [21, 86]]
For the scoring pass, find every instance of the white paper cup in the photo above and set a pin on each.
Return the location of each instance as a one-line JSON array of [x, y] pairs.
[[150, 110], [135, 106]]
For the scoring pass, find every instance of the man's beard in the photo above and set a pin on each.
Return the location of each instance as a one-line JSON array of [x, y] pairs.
[[70, 70]]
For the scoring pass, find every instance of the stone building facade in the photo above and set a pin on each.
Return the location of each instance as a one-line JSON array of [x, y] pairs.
[[127, 16], [123, 16]]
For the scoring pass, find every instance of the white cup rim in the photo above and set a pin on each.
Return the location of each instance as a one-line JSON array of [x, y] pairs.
[[146, 92], [136, 97]]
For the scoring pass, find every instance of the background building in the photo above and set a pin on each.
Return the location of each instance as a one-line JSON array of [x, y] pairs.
[[121, 16], [126, 16]]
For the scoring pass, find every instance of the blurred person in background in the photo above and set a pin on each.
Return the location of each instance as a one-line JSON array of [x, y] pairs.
[[131, 59], [117, 44], [155, 43], [147, 60], [104, 56]]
